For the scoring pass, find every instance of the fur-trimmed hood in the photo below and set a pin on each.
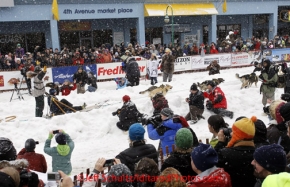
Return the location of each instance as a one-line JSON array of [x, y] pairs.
[[17, 164]]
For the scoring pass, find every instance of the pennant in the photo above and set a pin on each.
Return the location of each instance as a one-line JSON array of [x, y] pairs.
[[225, 6], [55, 10]]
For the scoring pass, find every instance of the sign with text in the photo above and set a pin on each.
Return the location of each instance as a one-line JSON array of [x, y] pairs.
[[75, 26], [239, 59], [7, 3], [182, 63], [177, 28]]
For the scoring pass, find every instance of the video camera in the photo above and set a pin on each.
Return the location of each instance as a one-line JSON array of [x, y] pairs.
[[227, 132], [154, 120], [28, 178], [116, 113], [23, 71]]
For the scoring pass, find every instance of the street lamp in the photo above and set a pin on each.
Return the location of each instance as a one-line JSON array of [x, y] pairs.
[[166, 20]]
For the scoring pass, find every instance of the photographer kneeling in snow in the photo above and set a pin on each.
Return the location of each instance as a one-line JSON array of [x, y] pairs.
[[128, 114], [61, 154]]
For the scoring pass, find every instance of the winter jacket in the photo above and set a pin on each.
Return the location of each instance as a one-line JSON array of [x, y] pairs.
[[61, 155], [119, 83], [277, 133], [269, 78], [181, 162], [107, 58], [213, 141], [236, 161], [39, 88], [197, 99], [159, 102], [217, 97], [36, 161], [81, 77], [93, 81], [132, 71], [212, 177], [167, 64], [152, 67], [136, 152], [66, 89], [128, 114], [166, 132]]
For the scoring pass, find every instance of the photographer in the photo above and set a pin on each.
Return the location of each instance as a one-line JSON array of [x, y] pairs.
[[92, 82], [80, 78], [36, 161], [237, 156], [159, 102], [213, 68], [23, 70], [165, 131], [67, 87], [61, 155], [128, 114]]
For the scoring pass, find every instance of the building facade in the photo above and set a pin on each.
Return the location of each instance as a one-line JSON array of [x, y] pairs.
[[95, 22]]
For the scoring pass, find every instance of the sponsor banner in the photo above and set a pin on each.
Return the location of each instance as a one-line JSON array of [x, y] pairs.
[[277, 55], [113, 70], [7, 76], [182, 63], [239, 59], [202, 62], [255, 56], [60, 74]]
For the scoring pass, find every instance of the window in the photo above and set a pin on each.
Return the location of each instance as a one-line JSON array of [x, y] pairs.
[[223, 30]]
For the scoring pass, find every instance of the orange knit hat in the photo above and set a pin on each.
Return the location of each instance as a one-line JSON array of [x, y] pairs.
[[243, 129]]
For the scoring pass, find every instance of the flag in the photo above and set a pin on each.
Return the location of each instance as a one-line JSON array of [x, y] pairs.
[[54, 10], [225, 6]]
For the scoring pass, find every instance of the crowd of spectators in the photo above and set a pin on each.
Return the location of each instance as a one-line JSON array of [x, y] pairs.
[[107, 53]]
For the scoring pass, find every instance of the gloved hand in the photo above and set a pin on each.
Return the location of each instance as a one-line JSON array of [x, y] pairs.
[[44, 69], [261, 77], [209, 105], [285, 97]]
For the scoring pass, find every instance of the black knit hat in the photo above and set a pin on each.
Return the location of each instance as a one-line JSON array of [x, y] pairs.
[[167, 112], [193, 87], [260, 131], [271, 157], [285, 111], [118, 172], [30, 145], [60, 138], [211, 83], [7, 150]]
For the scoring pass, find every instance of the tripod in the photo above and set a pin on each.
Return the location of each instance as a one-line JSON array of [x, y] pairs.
[[28, 83], [17, 92]]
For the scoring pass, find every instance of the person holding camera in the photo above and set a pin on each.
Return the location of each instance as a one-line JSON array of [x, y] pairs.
[[61, 154], [217, 101], [23, 70], [36, 161], [39, 89], [128, 114], [78, 60], [213, 68], [80, 78], [138, 148], [159, 102], [215, 124], [196, 106], [67, 87], [121, 82], [164, 131], [92, 82], [236, 155], [269, 79]]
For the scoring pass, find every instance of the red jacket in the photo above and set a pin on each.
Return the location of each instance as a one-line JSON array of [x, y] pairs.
[[216, 178], [65, 90], [78, 61], [36, 161], [213, 97], [213, 50], [159, 103]]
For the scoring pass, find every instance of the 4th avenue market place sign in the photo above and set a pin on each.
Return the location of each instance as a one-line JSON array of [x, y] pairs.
[[99, 11]]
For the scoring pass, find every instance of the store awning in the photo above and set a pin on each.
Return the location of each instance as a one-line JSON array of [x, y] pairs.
[[179, 9]]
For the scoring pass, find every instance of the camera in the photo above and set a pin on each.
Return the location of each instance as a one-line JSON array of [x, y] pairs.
[[53, 176], [154, 120], [116, 113], [227, 132], [266, 110], [285, 97], [109, 162], [55, 132]]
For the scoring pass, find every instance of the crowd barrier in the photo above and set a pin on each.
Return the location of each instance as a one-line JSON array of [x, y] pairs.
[[105, 71]]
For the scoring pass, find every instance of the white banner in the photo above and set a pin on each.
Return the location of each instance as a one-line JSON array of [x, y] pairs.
[[197, 62], [182, 64], [239, 59], [7, 3], [6, 76], [113, 70]]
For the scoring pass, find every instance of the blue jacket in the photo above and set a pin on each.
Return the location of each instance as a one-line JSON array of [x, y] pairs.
[[167, 139], [119, 84]]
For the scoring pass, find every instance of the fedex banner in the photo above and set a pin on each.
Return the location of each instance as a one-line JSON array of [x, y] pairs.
[[60, 74], [113, 70]]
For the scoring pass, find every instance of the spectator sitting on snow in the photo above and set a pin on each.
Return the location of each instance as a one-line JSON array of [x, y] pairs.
[[237, 156], [203, 161], [268, 160], [165, 131], [58, 107], [67, 87], [36, 161], [128, 114], [213, 68], [92, 82], [180, 158], [121, 82], [217, 100], [159, 102], [61, 154], [215, 123], [138, 148]]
